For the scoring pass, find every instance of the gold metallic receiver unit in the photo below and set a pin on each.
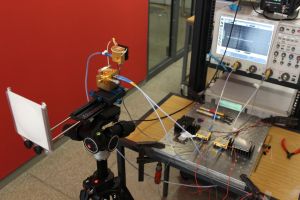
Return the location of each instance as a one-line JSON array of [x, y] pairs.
[[105, 78], [118, 54]]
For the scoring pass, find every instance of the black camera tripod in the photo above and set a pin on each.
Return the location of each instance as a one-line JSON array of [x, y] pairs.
[[100, 141], [102, 185]]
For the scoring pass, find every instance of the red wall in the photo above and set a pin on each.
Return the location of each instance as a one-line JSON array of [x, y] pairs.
[[43, 50]]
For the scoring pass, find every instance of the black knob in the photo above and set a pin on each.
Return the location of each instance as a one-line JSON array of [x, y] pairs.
[[285, 77], [113, 143], [91, 145], [291, 56], [38, 150], [283, 55], [276, 53], [281, 29], [28, 144], [252, 69]]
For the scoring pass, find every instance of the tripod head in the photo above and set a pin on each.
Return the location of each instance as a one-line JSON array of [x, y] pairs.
[[99, 138], [99, 129]]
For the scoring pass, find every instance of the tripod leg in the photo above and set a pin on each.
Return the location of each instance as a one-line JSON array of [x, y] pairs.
[[84, 195], [126, 195]]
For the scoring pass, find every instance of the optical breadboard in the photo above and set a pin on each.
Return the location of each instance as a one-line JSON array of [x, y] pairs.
[[257, 44], [209, 160], [30, 120]]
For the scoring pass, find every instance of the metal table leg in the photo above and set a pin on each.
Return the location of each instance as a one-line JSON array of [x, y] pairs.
[[186, 53], [166, 178], [121, 166]]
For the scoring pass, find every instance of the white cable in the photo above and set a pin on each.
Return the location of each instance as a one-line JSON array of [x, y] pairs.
[[169, 182], [158, 116], [161, 122], [87, 72], [221, 95], [107, 46], [257, 86], [190, 136], [166, 114]]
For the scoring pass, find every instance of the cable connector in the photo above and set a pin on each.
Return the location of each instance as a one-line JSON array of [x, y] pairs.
[[220, 63], [268, 73], [236, 65], [105, 53]]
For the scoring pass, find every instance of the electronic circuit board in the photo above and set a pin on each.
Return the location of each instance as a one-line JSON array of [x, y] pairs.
[[215, 161]]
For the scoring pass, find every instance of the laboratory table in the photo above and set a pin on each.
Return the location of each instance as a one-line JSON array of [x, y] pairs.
[[274, 174]]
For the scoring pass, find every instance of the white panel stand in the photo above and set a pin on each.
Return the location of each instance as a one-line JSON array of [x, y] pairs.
[[31, 121]]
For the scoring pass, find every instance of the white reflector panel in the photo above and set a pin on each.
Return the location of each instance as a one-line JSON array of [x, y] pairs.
[[31, 120]]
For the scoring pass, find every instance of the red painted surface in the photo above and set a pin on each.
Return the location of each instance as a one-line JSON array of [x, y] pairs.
[[43, 50]]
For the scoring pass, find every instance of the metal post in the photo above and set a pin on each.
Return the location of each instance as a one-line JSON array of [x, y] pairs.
[[174, 27], [186, 53], [60, 123], [121, 166], [204, 11], [102, 169], [166, 178], [62, 133], [141, 166]]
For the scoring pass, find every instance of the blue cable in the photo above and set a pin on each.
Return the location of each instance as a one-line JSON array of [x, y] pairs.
[[234, 7], [87, 72], [219, 61], [87, 69], [122, 78], [210, 128]]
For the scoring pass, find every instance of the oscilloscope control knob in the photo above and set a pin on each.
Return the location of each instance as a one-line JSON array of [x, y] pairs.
[[285, 77], [252, 69], [281, 29]]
